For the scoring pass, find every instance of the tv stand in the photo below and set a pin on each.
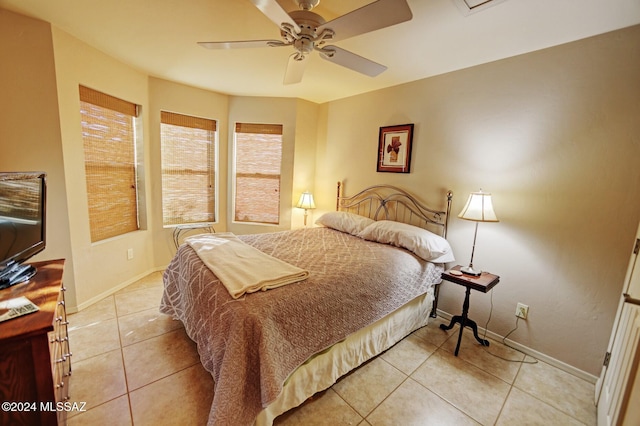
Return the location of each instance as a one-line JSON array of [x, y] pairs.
[[35, 360]]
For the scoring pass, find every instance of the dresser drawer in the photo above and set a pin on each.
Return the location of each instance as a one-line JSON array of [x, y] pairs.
[[60, 354], [35, 359]]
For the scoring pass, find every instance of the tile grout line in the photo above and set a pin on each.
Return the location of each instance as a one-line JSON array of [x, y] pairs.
[[124, 366], [440, 346]]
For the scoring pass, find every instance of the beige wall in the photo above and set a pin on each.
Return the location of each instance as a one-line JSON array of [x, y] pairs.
[[30, 126], [168, 96], [37, 83], [555, 136], [103, 266], [298, 141], [304, 163]]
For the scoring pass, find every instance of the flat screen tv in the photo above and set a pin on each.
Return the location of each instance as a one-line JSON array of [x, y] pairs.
[[22, 223]]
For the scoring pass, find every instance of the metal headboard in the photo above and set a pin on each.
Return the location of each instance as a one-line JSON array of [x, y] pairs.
[[388, 202]]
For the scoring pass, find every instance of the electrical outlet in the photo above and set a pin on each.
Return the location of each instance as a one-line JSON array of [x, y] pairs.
[[522, 311], [130, 254]]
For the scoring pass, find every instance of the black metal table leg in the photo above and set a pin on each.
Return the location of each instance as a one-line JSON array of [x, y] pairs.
[[464, 321]]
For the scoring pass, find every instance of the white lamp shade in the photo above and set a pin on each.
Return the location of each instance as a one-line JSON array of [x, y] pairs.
[[479, 208], [306, 201]]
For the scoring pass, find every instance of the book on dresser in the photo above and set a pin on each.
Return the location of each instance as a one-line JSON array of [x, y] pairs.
[[35, 359], [16, 307]]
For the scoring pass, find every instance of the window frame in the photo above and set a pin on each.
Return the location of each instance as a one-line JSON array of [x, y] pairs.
[[213, 160], [234, 173], [98, 99]]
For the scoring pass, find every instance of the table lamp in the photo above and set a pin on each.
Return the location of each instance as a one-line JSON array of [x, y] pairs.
[[306, 202], [479, 208]]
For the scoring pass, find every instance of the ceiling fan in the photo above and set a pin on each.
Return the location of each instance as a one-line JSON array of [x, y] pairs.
[[307, 31]]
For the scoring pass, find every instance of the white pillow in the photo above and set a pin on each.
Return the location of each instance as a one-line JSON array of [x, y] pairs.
[[425, 244], [344, 222]]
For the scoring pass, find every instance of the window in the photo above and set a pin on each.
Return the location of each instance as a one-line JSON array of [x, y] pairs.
[[258, 158], [109, 139], [188, 168]]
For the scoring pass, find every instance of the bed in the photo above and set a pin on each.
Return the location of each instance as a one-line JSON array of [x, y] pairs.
[[368, 287]]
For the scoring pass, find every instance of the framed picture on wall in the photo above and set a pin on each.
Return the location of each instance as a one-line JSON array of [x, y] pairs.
[[394, 148]]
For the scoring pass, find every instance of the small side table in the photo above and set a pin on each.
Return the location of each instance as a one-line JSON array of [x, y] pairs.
[[483, 283]]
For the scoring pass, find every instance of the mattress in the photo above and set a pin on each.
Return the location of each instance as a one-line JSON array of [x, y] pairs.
[[252, 345]]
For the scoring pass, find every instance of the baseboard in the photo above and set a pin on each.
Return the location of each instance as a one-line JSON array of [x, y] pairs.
[[524, 349], [99, 297], [533, 353]]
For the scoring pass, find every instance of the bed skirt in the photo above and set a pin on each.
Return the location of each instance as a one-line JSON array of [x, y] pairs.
[[322, 370]]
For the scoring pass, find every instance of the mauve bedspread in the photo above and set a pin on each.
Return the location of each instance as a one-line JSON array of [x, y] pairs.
[[252, 344]]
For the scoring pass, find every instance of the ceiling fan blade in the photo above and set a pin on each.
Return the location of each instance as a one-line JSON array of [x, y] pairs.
[[275, 13], [240, 44], [352, 61], [295, 69], [376, 15]]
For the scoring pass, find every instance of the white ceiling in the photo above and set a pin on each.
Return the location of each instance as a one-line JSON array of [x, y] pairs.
[[159, 37]]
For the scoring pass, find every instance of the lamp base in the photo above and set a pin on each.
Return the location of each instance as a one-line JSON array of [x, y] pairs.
[[468, 270]]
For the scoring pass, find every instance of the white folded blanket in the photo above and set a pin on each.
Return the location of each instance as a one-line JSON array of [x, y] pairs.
[[242, 268]]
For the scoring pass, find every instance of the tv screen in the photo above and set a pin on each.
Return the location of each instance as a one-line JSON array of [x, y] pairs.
[[22, 218]]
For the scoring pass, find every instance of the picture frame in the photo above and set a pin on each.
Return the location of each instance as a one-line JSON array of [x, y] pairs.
[[394, 148]]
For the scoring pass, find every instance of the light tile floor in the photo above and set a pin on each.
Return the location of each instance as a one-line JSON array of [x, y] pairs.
[[133, 365]]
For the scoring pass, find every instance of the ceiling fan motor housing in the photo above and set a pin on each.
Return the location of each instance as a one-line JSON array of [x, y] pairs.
[[305, 40], [307, 20]]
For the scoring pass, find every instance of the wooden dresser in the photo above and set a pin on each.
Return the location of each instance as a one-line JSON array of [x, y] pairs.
[[35, 364]]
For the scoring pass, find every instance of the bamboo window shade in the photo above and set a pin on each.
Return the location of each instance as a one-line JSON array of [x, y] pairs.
[[258, 159], [188, 169], [108, 134]]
